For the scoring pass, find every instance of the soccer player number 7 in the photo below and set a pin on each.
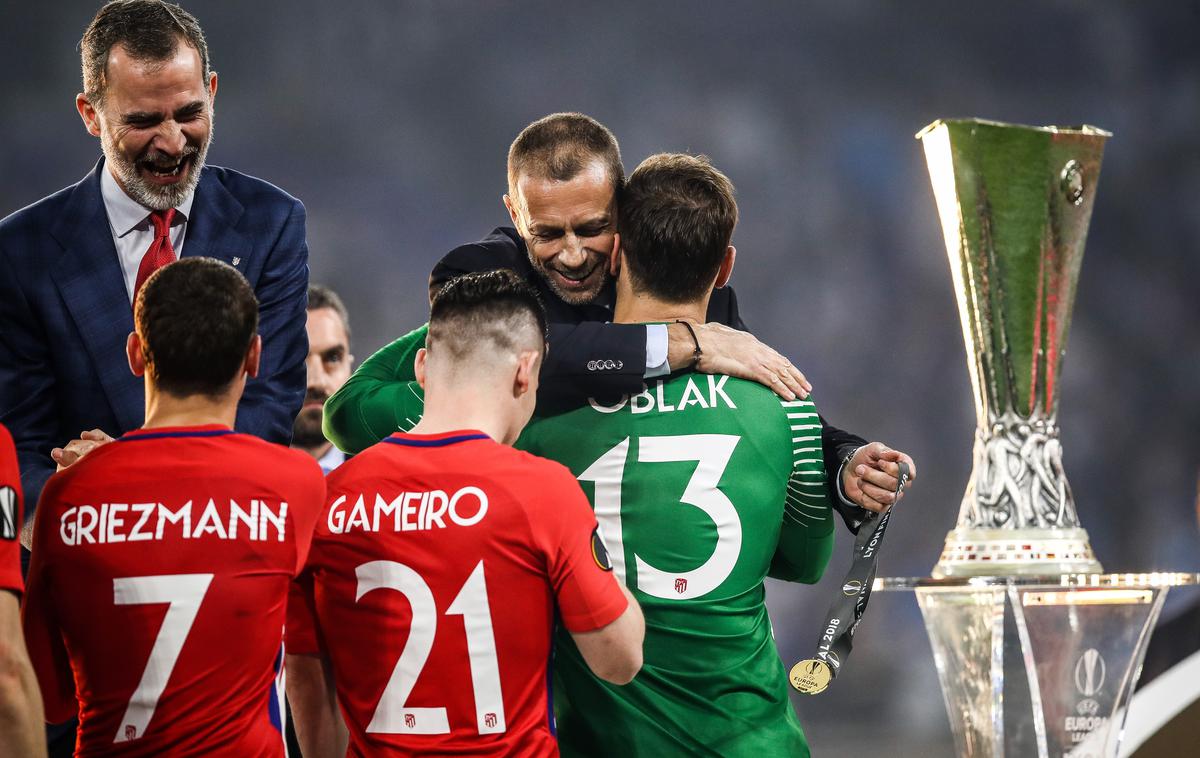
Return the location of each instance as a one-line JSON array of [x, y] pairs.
[[184, 593]]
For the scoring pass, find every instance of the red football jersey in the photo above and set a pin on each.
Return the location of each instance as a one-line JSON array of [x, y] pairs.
[[171, 647], [10, 515], [435, 575]]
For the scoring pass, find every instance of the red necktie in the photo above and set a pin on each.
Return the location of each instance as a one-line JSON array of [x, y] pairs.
[[160, 252]]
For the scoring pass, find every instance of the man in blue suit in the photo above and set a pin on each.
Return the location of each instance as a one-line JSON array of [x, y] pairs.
[[71, 264]]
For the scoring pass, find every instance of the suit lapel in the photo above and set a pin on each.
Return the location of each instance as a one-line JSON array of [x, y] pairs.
[[212, 229], [89, 278]]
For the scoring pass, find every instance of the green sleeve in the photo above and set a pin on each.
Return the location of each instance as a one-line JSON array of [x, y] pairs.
[[381, 397], [803, 551], [806, 534]]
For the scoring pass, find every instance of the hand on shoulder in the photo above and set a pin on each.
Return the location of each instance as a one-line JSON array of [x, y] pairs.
[[724, 350], [76, 449]]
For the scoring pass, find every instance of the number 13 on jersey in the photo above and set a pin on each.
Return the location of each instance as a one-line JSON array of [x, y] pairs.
[[711, 452]]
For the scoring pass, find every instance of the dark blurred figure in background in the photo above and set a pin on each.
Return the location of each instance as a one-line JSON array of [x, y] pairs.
[[328, 367], [72, 263], [1167, 703], [1175, 639]]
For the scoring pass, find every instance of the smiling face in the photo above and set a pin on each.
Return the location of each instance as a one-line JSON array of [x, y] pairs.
[[569, 227], [154, 124]]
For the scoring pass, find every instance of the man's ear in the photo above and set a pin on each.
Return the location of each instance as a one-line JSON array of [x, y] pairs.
[[87, 112], [133, 353], [527, 373], [212, 87], [253, 357], [419, 366], [726, 269], [512, 212], [614, 260]]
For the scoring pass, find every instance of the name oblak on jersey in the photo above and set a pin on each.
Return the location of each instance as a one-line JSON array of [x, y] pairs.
[[647, 401], [408, 511], [137, 522]]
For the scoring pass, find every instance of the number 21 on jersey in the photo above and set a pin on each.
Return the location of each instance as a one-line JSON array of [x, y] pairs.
[[393, 715]]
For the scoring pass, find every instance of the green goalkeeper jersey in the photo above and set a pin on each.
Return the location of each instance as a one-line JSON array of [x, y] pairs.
[[702, 486]]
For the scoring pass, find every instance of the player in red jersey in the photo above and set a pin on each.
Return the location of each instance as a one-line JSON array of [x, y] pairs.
[[162, 561], [444, 556], [21, 732]]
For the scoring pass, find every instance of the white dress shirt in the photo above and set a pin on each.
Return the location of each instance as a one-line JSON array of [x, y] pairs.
[[331, 460], [132, 230], [656, 351]]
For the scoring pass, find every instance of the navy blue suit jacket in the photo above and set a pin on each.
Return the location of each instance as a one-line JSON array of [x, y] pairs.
[[65, 313]]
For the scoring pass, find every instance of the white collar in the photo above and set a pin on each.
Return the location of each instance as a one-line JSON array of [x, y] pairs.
[[332, 459], [126, 214]]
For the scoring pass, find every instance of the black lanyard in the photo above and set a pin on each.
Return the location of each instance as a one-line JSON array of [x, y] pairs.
[[812, 675]]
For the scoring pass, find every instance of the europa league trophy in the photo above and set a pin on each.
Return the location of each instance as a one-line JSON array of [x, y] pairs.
[[1037, 652], [1015, 204]]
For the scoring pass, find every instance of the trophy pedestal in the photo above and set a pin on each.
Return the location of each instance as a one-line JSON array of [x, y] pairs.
[[1022, 552], [1039, 666]]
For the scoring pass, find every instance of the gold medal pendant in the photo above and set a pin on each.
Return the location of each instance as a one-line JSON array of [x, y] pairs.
[[811, 676]]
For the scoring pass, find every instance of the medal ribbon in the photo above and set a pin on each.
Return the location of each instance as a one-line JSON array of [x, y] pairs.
[[837, 635]]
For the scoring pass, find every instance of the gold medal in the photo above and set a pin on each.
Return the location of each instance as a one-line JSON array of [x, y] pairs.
[[811, 676]]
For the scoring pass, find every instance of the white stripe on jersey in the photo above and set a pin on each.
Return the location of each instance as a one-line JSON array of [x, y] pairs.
[[796, 403]]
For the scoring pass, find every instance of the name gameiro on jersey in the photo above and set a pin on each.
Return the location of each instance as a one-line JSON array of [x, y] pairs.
[[407, 511]]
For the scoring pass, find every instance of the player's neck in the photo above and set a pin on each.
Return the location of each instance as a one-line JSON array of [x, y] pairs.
[[635, 307], [164, 409], [457, 408]]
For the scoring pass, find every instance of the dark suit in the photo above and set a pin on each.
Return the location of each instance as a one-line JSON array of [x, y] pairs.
[[65, 312], [592, 358]]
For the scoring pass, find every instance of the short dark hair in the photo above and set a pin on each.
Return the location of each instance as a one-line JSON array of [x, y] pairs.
[[149, 30], [561, 145], [320, 296], [492, 310], [196, 318], [677, 218]]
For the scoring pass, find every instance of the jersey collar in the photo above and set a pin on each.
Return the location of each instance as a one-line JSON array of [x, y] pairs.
[[440, 439], [161, 432]]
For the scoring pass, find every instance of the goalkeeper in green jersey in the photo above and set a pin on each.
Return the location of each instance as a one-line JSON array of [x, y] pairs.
[[703, 486]]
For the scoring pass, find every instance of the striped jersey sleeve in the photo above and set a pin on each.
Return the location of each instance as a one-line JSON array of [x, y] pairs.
[[807, 501]]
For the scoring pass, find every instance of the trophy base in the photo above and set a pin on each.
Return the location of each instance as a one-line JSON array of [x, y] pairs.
[[992, 552]]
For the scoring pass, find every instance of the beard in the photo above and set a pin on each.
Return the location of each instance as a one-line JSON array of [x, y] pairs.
[[573, 296], [152, 196], [306, 430]]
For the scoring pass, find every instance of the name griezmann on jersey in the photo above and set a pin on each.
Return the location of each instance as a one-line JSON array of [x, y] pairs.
[[408, 511], [138, 522]]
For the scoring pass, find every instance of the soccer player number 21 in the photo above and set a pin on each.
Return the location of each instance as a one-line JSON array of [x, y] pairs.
[[391, 714], [711, 453]]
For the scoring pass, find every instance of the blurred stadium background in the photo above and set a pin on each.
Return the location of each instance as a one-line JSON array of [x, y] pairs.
[[391, 120]]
